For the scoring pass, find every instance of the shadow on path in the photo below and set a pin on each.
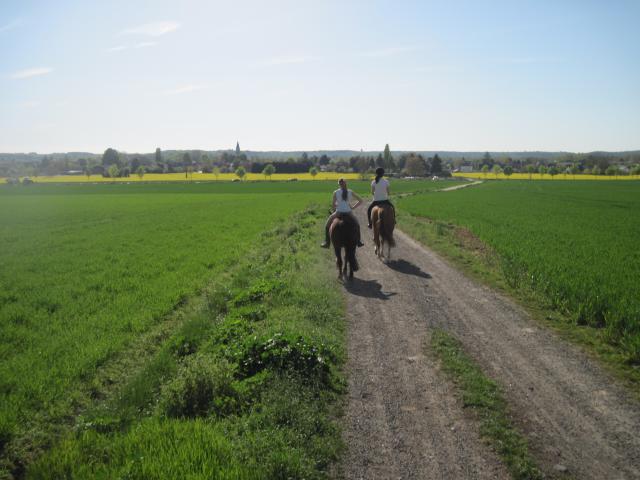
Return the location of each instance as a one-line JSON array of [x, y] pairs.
[[366, 288], [409, 268]]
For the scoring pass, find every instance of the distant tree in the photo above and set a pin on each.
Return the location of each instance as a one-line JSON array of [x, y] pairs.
[[324, 160], [305, 157], [485, 170], [268, 171], [496, 170], [596, 170], [635, 170], [237, 149], [379, 161], [241, 172], [530, 170], [110, 157], [188, 172], [216, 172], [611, 171], [114, 171], [158, 156], [313, 171], [389, 163], [414, 165], [87, 172], [573, 169], [508, 171], [140, 172], [553, 171], [436, 165], [486, 158], [542, 170]]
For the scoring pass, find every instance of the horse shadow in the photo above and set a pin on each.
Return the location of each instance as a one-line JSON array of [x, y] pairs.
[[367, 288], [407, 268]]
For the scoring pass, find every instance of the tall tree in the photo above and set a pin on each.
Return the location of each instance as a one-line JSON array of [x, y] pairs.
[[415, 165], [237, 148], [158, 156], [436, 165], [389, 164], [110, 157], [313, 171]]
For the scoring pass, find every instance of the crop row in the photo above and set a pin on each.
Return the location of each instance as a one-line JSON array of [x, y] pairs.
[[573, 243]]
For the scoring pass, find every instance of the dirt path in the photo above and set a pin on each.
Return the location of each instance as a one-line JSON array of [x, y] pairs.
[[402, 420]]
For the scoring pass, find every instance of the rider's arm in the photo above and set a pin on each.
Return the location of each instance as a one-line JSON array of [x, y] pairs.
[[373, 189], [335, 202], [359, 200]]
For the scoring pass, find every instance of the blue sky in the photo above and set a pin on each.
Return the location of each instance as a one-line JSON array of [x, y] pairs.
[[304, 75]]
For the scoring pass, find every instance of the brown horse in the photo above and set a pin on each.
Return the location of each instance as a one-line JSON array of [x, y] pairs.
[[344, 234], [383, 219]]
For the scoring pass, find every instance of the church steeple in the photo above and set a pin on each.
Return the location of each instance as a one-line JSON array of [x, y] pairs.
[[237, 148]]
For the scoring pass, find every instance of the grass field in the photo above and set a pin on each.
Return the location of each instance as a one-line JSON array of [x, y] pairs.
[[572, 243], [92, 273], [538, 176]]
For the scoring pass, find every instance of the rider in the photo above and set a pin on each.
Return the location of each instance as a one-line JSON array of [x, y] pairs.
[[380, 192], [342, 205]]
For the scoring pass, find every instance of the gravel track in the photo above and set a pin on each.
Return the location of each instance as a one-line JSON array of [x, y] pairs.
[[402, 419]]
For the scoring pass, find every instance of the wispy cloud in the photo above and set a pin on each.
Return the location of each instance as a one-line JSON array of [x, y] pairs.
[[387, 52], [286, 60], [146, 44], [10, 25], [117, 48], [30, 104], [183, 89], [152, 29], [439, 69], [31, 72], [528, 60]]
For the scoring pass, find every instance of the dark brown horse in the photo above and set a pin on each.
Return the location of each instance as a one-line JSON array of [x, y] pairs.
[[383, 219], [344, 234]]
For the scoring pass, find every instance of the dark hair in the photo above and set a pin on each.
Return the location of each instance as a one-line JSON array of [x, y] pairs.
[[379, 173], [343, 186]]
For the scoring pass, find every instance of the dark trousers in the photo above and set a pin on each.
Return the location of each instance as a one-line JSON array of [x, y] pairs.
[[378, 202]]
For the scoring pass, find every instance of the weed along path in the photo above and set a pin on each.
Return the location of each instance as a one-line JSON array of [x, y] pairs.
[[404, 418]]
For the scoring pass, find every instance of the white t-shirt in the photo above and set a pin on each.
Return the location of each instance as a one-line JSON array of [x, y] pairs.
[[343, 206], [380, 190]]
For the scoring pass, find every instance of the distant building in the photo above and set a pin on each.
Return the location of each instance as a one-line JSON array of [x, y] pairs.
[[465, 169]]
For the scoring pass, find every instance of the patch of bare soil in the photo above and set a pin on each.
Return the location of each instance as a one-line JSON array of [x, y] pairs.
[[402, 420]]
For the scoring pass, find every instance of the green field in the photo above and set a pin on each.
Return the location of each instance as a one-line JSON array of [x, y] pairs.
[[574, 244], [94, 275]]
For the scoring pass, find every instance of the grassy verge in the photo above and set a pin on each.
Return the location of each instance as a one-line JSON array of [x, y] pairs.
[[479, 261], [248, 387], [486, 399]]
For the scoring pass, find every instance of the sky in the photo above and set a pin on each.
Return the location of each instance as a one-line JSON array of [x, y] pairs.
[[305, 75]]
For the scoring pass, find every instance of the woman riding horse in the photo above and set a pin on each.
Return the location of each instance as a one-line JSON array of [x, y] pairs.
[[380, 192], [342, 199]]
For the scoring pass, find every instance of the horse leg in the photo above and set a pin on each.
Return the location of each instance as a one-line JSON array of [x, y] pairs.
[[346, 262], [338, 261]]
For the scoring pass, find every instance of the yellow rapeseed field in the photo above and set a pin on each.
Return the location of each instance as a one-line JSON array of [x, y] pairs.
[[177, 177], [537, 176]]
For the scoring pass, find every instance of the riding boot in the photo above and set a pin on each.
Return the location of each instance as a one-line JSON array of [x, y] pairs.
[[360, 244]]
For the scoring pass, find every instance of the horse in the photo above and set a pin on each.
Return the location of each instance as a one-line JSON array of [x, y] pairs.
[[383, 218], [344, 234]]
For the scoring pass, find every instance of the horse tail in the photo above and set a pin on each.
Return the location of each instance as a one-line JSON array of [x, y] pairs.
[[351, 257], [386, 229]]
